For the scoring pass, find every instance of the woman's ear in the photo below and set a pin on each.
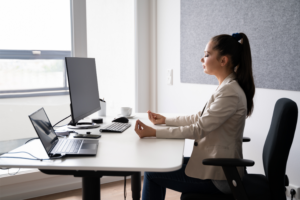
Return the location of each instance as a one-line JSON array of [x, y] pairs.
[[224, 61]]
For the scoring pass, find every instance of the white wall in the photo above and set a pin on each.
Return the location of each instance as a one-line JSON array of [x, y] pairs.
[[110, 40], [190, 98], [14, 121]]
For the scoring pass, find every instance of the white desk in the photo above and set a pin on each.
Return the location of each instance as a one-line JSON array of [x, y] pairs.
[[117, 152]]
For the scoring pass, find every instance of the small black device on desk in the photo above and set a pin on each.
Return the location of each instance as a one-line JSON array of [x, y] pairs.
[[87, 136], [118, 126]]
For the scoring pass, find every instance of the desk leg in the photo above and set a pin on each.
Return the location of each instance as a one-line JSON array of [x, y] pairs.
[[136, 185], [91, 188]]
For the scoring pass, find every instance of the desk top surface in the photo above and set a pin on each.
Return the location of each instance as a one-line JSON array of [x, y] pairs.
[[116, 152]]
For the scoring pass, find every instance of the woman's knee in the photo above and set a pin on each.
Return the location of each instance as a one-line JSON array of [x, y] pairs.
[[152, 176], [148, 175]]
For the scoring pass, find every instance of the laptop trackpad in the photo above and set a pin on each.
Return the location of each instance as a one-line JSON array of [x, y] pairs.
[[88, 146]]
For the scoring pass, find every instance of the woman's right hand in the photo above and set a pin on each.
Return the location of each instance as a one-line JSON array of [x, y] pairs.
[[156, 118]]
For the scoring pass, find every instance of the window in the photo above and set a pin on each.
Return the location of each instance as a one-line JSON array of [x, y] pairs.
[[35, 38]]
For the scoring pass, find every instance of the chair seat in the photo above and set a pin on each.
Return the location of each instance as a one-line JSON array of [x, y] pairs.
[[256, 186]]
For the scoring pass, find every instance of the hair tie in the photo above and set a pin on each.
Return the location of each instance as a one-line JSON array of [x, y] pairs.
[[237, 36]]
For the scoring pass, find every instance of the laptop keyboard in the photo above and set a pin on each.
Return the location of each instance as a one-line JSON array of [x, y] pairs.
[[67, 146], [116, 127]]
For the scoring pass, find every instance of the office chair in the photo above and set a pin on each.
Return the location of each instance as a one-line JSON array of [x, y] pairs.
[[275, 154]]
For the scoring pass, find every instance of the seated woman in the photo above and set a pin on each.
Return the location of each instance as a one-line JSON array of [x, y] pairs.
[[217, 130]]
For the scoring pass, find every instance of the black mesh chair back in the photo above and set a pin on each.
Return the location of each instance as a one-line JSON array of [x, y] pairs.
[[277, 145]]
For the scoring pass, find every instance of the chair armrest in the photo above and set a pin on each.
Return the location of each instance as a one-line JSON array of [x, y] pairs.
[[246, 139], [228, 162]]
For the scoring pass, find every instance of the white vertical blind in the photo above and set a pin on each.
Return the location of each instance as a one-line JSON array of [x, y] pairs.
[[110, 35]]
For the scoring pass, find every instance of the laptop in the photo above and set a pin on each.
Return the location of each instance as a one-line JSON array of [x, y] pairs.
[[54, 146]]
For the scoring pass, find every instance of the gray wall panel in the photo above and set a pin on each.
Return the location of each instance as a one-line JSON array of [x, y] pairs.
[[273, 29]]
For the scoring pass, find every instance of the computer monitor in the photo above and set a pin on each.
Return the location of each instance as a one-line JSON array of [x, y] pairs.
[[83, 87]]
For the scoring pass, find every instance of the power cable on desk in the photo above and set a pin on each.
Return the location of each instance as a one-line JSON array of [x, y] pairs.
[[35, 158], [31, 139], [61, 126], [61, 120]]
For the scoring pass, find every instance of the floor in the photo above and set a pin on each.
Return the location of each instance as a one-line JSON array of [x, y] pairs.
[[111, 191]]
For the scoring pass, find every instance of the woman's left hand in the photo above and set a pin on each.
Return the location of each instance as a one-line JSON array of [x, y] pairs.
[[143, 130]]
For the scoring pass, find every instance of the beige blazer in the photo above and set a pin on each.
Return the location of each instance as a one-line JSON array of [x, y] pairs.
[[218, 132]]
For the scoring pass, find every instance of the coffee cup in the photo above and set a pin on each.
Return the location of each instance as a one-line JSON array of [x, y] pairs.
[[126, 111]]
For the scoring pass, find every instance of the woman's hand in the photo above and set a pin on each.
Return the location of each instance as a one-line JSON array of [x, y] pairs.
[[144, 131], [156, 118]]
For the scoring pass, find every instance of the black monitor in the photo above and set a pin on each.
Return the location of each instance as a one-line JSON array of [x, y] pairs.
[[83, 87]]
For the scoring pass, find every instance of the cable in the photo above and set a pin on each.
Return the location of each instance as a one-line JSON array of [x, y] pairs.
[[61, 120], [25, 158], [125, 192], [31, 139], [14, 173], [61, 126], [9, 169], [35, 158]]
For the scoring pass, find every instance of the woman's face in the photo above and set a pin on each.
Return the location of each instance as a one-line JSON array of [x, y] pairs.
[[211, 64]]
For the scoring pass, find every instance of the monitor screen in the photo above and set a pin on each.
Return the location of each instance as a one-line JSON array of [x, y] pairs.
[[83, 87]]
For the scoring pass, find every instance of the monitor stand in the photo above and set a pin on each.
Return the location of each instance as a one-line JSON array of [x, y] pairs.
[[82, 125]]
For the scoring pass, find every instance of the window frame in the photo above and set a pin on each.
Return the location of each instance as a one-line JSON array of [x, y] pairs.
[[77, 10], [36, 55]]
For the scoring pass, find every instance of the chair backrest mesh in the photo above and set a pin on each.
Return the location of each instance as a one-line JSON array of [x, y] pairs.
[[278, 143]]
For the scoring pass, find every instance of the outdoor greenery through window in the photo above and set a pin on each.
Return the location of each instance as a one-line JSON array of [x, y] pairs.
[[35, 38]]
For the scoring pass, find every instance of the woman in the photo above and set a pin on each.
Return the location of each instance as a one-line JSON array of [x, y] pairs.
[[217, 130]]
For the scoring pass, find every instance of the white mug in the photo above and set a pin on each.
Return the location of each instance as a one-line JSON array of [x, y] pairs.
[[126, 111]]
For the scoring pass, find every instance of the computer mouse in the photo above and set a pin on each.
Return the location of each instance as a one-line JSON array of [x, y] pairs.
[[121, 120]]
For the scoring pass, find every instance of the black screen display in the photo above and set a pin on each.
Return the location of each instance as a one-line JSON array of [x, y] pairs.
[[83, 87]]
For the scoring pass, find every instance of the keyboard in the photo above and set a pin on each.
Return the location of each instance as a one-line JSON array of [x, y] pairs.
[[67, 146], [116, 127]]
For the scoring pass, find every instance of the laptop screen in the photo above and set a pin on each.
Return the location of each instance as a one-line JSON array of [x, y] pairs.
[[43, 128]]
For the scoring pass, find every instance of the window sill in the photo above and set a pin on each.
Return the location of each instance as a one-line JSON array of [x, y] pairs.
[[37, 101], [33, 94]]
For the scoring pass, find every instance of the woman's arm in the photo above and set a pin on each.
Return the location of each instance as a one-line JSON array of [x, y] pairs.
[[223, 107], [173, 121], [182, 120]]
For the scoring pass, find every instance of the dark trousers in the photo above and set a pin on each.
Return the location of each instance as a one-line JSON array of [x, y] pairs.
[[155, 184]]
